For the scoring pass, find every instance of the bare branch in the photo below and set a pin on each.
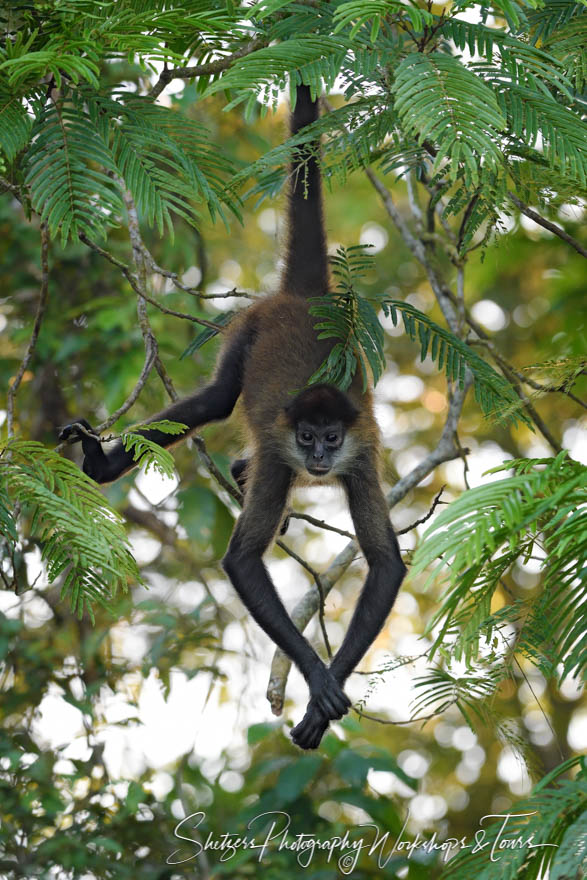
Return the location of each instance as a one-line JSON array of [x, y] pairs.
[[166, 379], [10, 187], [209, 69], [547, 224], [138, 289], [321, 524], [174, 277], [419, 522], [318, 582], [41, 307], [418, 249], [202, 321], [513, 376]]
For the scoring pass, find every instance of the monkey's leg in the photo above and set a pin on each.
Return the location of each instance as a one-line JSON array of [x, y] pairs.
[[212, 403], [238, 470], [386, 571], [378, 542], [265, 500]]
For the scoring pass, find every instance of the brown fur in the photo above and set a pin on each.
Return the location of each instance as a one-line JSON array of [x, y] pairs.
[[284, 353]]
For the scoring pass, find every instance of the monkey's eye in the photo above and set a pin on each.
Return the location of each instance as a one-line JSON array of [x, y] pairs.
[[332, 438], [306, 437]]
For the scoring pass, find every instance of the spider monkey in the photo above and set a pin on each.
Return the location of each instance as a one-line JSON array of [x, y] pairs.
[[319, 435]]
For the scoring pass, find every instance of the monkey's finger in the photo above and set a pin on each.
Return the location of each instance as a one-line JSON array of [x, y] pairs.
[[334, 705], [310, 730], [73, 432], [69, 432]]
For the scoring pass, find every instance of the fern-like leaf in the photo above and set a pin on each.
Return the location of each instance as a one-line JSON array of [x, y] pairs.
[[82, 538], [441, 101], [479, 536], [149, 454], [66, 169], [15, 125]]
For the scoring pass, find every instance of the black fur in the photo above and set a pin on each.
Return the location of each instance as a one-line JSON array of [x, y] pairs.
[[321, 405], [306, 265]]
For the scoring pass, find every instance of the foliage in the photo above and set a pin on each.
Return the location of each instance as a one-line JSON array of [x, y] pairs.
[[83, 541], [552, 818], [149, 454], [511, 106], [473, 544], [482, 534], [83, 125], [352, 318]]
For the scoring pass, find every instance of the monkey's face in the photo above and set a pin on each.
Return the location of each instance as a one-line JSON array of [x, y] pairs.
[[319, 445]]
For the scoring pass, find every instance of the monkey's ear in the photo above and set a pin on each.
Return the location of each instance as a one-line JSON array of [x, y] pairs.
[[321, 405]]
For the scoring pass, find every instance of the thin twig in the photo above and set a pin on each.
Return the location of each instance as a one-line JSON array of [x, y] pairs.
[[166, 379], [419, 522], [318, 582], [132, 279], [547, 224], [321, 524], [389, 721], [418, 249], [219, 328], [514, 378], [40, 314], [10, 187], [234, 493], [174, 277]]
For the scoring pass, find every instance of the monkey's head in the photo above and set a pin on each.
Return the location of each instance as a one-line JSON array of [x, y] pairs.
[[320, 416]]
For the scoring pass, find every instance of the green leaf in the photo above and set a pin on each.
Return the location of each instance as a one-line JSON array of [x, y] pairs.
[[206, 519], [293, 779], [80, 535]]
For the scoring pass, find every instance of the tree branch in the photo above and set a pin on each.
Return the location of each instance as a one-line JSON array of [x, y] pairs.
[[132, 280], [41, 308], [547, 224], [209, 69]]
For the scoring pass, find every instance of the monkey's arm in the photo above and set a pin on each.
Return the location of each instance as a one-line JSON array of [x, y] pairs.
[[212, 403], [265, 499], [378, 542], [386, 571]]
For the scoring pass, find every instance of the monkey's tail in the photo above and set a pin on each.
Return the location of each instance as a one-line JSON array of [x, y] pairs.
[[306, 267]]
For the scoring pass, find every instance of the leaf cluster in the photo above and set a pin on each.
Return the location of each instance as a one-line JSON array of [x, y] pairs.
[[470, 106], [477, 539], [353, 319], [149, 454], [82, 539]]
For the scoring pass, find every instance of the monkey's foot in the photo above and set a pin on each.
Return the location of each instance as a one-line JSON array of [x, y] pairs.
[[326, 694], [74, 432], [95, 463], [309, 732]]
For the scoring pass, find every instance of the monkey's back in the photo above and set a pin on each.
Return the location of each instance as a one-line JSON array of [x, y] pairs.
[[284, 352]]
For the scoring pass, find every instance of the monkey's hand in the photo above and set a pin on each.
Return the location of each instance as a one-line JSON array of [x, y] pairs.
[[326, 694], [95, 463], [309, 732]]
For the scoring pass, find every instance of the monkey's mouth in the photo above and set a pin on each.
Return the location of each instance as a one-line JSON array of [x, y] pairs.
[[318, 471]]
